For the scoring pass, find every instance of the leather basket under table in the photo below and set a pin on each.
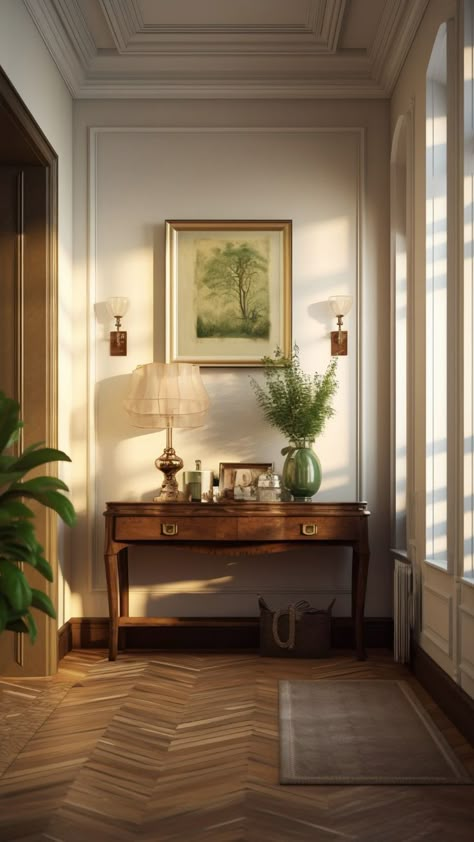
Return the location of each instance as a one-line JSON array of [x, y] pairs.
[[312, 637]]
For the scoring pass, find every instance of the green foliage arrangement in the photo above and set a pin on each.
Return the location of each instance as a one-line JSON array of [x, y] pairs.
[[296, 403], [18, 542]]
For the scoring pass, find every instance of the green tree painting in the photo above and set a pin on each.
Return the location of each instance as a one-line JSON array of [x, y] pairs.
[[232, 282]]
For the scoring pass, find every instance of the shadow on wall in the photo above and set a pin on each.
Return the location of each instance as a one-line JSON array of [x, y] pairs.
[[193, 584], [248, 438]]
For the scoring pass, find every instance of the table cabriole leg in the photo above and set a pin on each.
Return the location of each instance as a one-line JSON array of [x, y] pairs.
[[111, 570], [355, 577], [124, 607], [362, 568]]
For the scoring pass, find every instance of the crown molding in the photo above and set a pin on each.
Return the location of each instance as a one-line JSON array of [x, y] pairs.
[[331, 23], [319, 33], [67, 38], [124, 19], [112, 88], [396, 33], [232, 62]]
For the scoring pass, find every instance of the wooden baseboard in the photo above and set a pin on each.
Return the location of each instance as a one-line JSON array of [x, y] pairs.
[[210, 633], [450, 697]]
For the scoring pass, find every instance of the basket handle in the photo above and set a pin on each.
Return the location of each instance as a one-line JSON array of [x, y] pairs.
[[290, 643]]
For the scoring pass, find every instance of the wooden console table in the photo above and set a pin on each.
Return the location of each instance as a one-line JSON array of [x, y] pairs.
[[231, 528]]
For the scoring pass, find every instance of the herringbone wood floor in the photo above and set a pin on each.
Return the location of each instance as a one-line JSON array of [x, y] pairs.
[[171, 747]]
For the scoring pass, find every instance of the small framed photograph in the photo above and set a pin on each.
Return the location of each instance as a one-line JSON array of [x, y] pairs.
[[238, 480], [228, 290]]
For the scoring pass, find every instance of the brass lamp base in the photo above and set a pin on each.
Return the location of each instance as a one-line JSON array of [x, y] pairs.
[[170, 463]]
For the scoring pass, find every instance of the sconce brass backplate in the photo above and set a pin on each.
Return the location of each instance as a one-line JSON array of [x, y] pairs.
[[338, 350], [118, 343]]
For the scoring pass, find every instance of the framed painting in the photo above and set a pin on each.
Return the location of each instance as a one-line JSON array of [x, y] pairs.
[[228, 290], [238, 480]]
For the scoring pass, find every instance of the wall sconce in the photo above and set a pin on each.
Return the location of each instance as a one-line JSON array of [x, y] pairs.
[[117, 308], [340, 306]]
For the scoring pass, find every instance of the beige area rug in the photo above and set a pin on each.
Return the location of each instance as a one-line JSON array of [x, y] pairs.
[[361, 732]]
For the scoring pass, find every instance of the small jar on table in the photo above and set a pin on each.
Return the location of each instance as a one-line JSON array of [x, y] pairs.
[[269, 487]]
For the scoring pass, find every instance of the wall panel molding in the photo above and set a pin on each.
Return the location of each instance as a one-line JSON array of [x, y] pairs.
[[93, 516]]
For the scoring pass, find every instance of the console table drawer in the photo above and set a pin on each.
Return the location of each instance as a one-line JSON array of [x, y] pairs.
[[297, 529], [175, 528]]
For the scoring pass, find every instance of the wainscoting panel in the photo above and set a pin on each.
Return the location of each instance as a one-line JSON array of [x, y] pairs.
[[466, 639], [437, 618]]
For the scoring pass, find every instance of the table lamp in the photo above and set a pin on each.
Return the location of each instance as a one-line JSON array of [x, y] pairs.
[[163, 396]]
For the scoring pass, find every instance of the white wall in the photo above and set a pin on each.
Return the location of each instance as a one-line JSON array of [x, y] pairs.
[[30, 68], [325, 166]]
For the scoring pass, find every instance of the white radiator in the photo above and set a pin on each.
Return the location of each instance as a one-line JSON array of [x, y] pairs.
[[402, 611]]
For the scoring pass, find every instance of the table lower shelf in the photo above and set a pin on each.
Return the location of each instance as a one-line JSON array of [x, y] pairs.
[[187, 622]]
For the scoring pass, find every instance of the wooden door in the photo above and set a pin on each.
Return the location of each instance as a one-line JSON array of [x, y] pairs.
[[28, 330]]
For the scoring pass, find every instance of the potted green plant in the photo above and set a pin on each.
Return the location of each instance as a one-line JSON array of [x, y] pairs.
[[18, 541], [297, 404]]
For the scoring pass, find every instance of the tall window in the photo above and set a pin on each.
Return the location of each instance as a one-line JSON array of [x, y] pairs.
[[436, 303], [400, 306]]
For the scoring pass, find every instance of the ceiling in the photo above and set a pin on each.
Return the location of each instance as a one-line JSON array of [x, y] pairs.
[[228, 48]]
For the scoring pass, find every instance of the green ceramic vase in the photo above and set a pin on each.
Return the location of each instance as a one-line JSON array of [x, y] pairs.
[[301, 471]]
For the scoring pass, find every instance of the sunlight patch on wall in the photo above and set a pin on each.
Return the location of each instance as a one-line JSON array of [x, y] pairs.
[[331, 245], [193, 585]]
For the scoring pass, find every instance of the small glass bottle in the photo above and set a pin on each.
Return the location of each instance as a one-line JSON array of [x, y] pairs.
[[269, 487]]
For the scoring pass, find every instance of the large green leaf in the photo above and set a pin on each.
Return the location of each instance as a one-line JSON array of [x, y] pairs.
[[42, 601], [6, 461], [62, 505], [9, 477], [19, 531], [44, 568], [9, 421], [14, 586], [32, 627], [52, 499], [4, 612], [20, 626], [17, 552], [18, 541], [39, 484], [11, 509], [31, 457]]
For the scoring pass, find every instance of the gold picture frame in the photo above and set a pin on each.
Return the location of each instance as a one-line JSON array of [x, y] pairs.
[[238, 480], [228, 290]]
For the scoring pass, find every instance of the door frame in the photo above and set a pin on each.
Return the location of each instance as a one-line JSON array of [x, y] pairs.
[[41, 417]]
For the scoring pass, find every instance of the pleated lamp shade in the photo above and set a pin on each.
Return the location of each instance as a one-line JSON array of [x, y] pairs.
[[165, 395]]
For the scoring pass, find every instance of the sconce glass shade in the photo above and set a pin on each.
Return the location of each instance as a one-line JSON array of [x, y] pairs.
[[340, 304], [165, 395], [117, 306]]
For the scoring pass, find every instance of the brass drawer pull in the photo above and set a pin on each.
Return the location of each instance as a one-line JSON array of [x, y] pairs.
[[308, 529], [169, 528]]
